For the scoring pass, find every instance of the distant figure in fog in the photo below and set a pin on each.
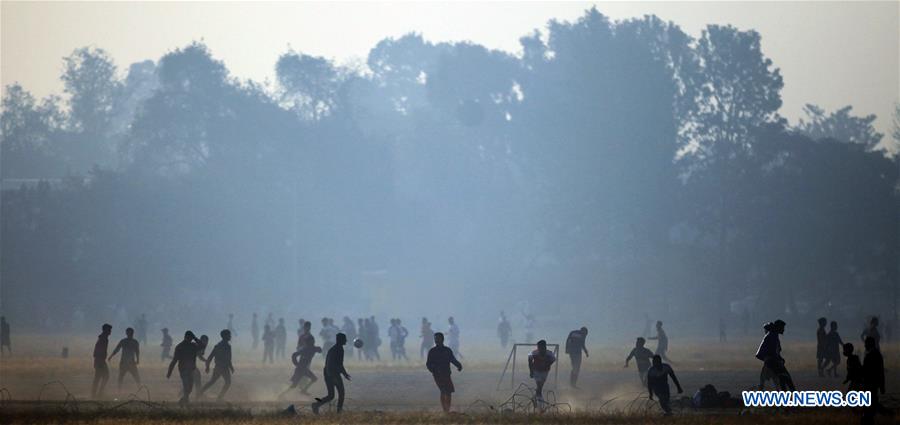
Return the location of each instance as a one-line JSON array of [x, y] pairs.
[[529, 328], [349, 329], [723, 337], [230, 325], [821, 335], [334, 369], [642, 357], [769, 352], [871, 331], [254, 331], [833, 345], [302, 358], [439, 360], [280, 339], [270, 320], [221, 354], [268, 338], [658, 383], [662, 341], [186, 358], [202, 343], [166, 345], [453, 334], [397, 335], [504, 330], [131, 356], [140, 329], [873, 379], [427, 335], [854, 370], [101, 370], [374, 338], [327, 333], [575, 345], [300, 323], [5, 336], [361, 334], [539, 363]]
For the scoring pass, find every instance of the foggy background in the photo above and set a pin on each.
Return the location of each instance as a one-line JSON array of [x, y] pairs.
[[607, 169]]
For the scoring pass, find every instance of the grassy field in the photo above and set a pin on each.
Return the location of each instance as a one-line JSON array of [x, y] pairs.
[[41, 387]]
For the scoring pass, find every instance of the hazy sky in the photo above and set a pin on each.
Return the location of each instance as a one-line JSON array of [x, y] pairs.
[[830, 53]]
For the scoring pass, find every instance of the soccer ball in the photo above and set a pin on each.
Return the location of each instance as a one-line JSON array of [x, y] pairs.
[[358, 343]]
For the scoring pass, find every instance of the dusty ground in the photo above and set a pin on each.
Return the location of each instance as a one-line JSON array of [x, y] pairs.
[[38, 382]]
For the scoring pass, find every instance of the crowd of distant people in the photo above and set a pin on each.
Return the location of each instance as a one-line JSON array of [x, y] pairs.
[[441, 351]]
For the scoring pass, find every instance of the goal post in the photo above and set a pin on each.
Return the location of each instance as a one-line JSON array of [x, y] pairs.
[[511, 360]]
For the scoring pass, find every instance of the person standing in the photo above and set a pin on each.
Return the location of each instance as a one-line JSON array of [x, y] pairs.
[[873, 379], [401, 342], [166, 345], [221, 354], [539, 363], [268, 338], [349, 329], [427, 335], [504, 330], [280, 339], [854, 377], [186, 358], [334, 369], [101, 370], [453, 333], [440, 357], [833, 343], [131, 357], [642, 357], [658, 383], [821, 336], [5, 336], [575, 345], [662, 341]]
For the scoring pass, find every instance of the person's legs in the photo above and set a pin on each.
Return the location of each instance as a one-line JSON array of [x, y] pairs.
[[576, 367], [312, 379], [339, 385], [642, 373], [212, 380], [226, 376], [445, 402], [187, 385], [329, 385], [122, 370], [662, 394], [134, 374]]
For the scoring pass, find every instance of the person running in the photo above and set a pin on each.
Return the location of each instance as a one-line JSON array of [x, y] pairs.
[[658, 383], [221, 354], [334, 369], [575, 345], [268, 338], [131, 357], [186, 358], [769, 352], [662, 341], [504, 330], [873, 379], [833, 345], [427, 335], [821, 336], [440, 357], [539, 362], [280, 339], [166, 345], [302, 358], [5, 336], [642, 357], [854, 377], [453, 333], [101, 370], [254, 330]]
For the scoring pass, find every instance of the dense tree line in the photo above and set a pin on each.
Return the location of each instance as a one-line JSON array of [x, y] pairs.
[[611, 168]]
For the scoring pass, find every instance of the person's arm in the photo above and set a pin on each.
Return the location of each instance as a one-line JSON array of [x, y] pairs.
[[212, 355], [675, 380], [531, 366], [630, 356], [115, 351], [172, 364], [459, 365], [429, 362], [584, 348], [137, 353], [341, 364]]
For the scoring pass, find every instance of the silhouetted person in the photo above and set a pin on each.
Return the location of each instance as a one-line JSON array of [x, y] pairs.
[[723, 337], [873, 379], [230, 326], [642, 357], [397, 335], [334, 369], [872, 331], [769, 352], [202, 343], [854, 377], [361, 334], [662, 341], [268, 338], [166, 345], [328, 334], [427, 335], [453, 336], [440, 357], [131, 356], [5, 336], [576, 343], [254, 331], [504, 330], [280, 339], [270, 321], [401, 343], [539, 363], [833, 345], [221, 354], [821, 335], [374, 338], [302, 358], [300, 323], [186, 358], [658, 383], [101, 370], [140, 329]]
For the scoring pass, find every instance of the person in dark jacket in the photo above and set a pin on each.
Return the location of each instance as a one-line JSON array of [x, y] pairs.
[[854, 369], [833, 344], [440, 357], [185, 357], [821, 337], [101, 370], [658, 383], [131, 356], [873, 379], [334, 369], [769, 352], [575, 345], [221, 353]]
